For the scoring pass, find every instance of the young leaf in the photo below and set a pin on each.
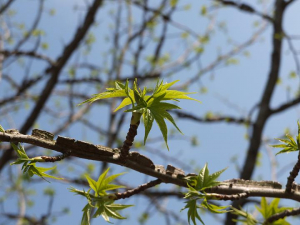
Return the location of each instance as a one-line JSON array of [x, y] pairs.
[[102, 201], [2, 129], [192, 207], [214, 208], [29, 166], [249, 219], [268, 210], [290, 144], [151, 107], [86, 215], [204, 179]]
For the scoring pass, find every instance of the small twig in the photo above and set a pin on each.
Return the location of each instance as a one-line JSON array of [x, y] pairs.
[[213, 118], [293, 175], [56, 158], [246, 8], [137, 190], [32, 53], [230, 197], [281, 215]]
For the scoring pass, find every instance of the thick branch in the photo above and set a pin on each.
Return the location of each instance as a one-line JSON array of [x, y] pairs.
[[264, 110], [172, 175]]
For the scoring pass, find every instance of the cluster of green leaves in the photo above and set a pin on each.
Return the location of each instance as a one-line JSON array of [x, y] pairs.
[[151, 107], [290, 145], [196, 187], [101, 200], [266, 210], [29, 166]]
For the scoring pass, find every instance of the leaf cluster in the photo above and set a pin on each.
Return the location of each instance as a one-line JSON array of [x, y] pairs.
[[290, 145], [101, 200], [196, 187], [29, 166], [266, 210], [152, 107]]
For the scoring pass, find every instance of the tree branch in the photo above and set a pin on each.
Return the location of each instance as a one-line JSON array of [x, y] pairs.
[[5, 6], [227, 119], [171, 175], [281, 215], [245, 8]]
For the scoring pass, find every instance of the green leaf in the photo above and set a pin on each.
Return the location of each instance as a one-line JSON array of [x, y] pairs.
[[173, 94], [268, 210], [101, 201], [249, 219], [2, 129], [86, 215], [159, 119], [104, 95], [290, 144], [214, 208], [29, 166], [39, 171], [192, 207], [20, 151], [92, 183], [151, 107], [173, 3], [204, 179], [125, 102], [148, 122]]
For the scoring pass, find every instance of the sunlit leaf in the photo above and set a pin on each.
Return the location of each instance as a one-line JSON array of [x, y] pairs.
[[290, 144], [101, 201]]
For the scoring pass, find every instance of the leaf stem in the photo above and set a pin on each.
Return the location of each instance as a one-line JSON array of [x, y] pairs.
[[132, 132], [293, 175]]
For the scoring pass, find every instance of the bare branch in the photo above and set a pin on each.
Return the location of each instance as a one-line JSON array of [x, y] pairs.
[[227, 119], [246, 8], [5, 6], [33, 54], [137, 190]]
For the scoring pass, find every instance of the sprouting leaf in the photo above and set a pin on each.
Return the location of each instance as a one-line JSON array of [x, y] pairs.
[[86, 215], [29, 166], [203, 10], [173, 3], [214, 208], [290, 145], [268, 210], [118, 91], [192, 207], [100, 200], [196, 187], [152, 107], [249, 219], [204, 179], [2, 129]]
